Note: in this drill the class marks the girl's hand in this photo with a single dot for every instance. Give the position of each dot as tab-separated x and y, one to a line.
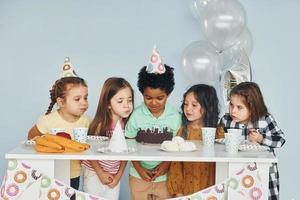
106	178
255	136
114	182
160	170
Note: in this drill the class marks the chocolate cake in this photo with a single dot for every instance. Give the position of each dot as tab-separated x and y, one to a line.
154	136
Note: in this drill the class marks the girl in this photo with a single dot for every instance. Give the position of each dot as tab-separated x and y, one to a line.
70	94
200	108
248	111
102	177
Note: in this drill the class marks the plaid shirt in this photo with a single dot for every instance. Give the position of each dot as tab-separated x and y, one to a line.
273	137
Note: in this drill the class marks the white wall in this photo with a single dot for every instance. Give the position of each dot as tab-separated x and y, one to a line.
115	38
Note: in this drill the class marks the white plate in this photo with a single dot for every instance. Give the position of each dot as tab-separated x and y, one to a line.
107	150
28	142
220	141
167	150
253	147
97	138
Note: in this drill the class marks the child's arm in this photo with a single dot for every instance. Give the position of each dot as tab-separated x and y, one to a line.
161	169
272	135
33	132
104	177
118	176
144	173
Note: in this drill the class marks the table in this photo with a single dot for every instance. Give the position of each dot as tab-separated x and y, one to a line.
57	165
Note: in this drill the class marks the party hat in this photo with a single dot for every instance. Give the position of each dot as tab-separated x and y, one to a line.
68	70
117	142
155	64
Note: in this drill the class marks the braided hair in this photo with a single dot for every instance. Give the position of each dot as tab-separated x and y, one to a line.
60	88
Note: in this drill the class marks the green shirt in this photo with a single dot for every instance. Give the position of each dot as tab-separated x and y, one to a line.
143	119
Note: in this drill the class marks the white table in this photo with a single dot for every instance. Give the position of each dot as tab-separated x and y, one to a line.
57	165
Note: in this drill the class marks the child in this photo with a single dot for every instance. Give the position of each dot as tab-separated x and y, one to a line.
152	122
102	177
248	111
200	109
70	94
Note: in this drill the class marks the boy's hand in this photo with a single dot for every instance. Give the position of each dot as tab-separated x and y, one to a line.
255	136
160	170
145	174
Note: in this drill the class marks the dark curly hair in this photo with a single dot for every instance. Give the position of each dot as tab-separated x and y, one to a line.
163	81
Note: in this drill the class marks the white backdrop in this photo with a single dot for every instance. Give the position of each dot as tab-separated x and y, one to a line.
115	38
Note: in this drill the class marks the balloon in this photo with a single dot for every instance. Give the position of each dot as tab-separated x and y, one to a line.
239	71
197	8
200	63
223	22
244	42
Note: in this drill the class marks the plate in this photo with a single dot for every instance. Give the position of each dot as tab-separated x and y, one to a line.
167	150
97	138
253	147
28	142
107	150
220	141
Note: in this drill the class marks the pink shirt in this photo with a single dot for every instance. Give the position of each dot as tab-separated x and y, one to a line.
110	166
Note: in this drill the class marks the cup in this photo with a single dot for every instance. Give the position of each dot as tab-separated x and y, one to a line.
208	136
57	130
80	134
237	132
233	140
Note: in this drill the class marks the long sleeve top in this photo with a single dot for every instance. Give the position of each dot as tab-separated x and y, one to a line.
189	177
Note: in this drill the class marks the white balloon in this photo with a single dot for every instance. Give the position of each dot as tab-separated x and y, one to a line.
244	43
200	63
197	8
223	22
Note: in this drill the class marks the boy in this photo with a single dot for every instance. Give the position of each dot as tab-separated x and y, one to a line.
152	122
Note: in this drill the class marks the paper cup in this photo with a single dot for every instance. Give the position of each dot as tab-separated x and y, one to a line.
57	130
80	134
233	140
208	136
237	132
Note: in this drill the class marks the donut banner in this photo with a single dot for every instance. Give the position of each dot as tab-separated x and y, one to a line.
245	184
21	181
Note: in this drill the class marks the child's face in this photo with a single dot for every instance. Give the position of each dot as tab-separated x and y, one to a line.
238	110
75	102
121	104
192	108
155	100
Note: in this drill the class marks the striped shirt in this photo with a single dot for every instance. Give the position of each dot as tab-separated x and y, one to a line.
110	166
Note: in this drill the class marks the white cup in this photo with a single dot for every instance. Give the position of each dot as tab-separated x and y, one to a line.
57	130
208	136
233	140
237	132
80	134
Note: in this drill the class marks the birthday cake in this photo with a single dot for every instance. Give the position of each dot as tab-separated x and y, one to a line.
153	136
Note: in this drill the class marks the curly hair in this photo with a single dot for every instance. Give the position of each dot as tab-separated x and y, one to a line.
163	81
